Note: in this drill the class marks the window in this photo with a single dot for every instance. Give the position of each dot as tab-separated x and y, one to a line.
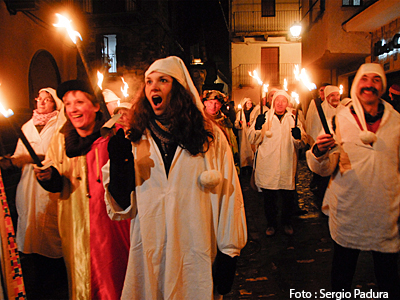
351	2
268	8
109	52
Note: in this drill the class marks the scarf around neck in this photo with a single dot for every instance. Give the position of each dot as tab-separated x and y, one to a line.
42	119
162	133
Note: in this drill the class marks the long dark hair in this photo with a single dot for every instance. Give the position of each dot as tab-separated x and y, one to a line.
189	129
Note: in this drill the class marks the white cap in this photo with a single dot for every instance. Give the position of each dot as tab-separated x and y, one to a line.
126	105
329	89
175	67
110	96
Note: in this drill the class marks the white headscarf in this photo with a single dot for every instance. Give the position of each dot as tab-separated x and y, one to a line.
330	89
53	93
175	67
271	112
59	105
366	136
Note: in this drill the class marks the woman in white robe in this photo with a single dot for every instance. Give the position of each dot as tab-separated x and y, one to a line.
37	230
188	221
242	124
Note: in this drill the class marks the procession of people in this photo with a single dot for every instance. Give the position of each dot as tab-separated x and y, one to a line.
153	208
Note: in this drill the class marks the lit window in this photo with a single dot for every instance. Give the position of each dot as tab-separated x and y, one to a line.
352	2
109	52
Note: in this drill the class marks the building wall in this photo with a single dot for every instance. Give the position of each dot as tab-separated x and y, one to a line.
249	52
391	60
328	49
21	37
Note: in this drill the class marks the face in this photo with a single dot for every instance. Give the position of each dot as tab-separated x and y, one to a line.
81	111
334	99
280	104
248	105
158	91
322	93
125	117
45	103
369	89
212	106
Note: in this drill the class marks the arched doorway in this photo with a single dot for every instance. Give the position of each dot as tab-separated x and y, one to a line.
43	72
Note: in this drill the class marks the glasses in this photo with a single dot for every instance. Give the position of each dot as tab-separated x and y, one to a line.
45	100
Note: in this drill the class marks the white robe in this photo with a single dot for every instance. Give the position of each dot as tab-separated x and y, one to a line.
313	123
363	196
177	224
37	230
277	155
245	150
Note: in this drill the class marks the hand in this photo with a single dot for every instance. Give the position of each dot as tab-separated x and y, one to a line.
259	122
122	170
43	175
119	148
324	143
21	160
224	272
296	133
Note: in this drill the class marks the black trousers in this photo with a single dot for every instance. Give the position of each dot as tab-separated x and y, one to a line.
385	266
271	198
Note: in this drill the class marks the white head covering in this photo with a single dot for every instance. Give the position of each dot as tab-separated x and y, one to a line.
366	136
59	105
330	89
244	101
53	93
110	96
126	105
175	67
271	112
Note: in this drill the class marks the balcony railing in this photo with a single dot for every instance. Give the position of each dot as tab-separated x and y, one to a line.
272	74
251	21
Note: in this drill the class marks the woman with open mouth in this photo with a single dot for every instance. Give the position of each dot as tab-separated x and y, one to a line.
175	179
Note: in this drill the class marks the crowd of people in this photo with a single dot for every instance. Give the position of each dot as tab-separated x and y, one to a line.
152	207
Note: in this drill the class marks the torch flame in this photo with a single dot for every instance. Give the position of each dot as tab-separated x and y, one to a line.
265	86
100	78
125	89
64	22
295	96
285	84
303	77
4	112
255	76
341	89
239	106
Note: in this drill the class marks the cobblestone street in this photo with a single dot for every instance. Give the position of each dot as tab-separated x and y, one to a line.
269	267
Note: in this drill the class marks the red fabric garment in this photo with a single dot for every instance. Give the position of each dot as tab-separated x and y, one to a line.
371	127
109	240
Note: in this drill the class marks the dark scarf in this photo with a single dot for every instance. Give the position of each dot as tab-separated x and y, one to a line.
370	119
163	137
76	145
247	113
